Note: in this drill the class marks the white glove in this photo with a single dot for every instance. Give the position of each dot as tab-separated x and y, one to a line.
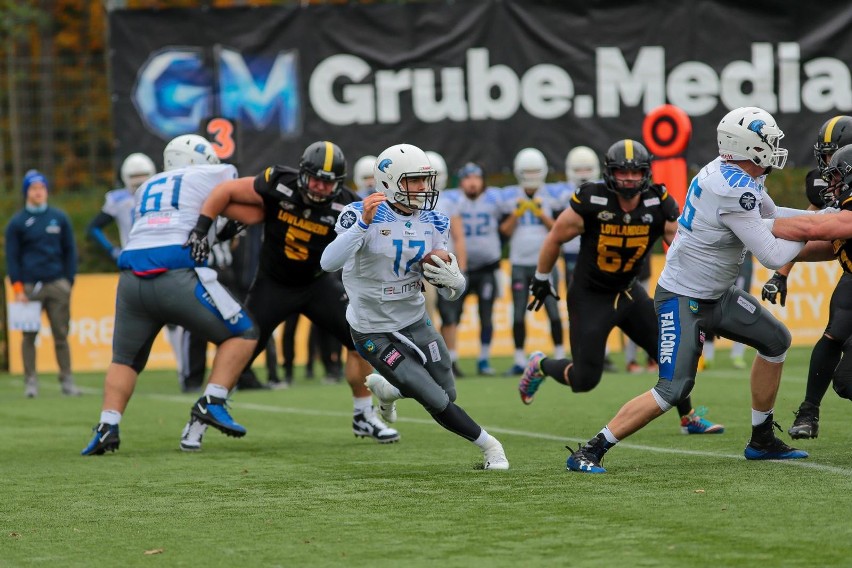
447	275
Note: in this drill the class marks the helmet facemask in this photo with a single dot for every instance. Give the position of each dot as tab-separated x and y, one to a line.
423	199
627	155
838	175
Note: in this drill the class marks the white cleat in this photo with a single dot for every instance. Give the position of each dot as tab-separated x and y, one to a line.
193	432
494	456
367	425
386	393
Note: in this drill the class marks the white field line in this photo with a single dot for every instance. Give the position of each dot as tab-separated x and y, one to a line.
184	399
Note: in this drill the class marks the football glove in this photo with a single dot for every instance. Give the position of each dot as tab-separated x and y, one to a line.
774	287
444	274
540	290
197	242
230	230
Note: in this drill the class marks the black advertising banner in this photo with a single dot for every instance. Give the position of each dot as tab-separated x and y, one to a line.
473	80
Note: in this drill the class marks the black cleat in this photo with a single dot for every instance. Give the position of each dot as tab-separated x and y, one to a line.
806	424
105	440
764	445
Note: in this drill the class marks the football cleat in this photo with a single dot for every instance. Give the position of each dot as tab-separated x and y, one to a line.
484	368
764	445
213	411
806	424
193	432
456	371
31	387
368	425
634	368
695	423
494	457
386	393
588	457
738	363
532	377
105	440
515	370
69	388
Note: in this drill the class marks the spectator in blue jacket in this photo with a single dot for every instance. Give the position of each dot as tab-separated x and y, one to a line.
42	262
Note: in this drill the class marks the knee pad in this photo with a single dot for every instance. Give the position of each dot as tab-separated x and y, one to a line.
675	390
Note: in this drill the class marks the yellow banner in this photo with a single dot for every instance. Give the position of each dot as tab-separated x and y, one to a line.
93	305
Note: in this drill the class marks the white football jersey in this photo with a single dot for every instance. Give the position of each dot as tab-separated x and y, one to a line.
560	193
383	278
166	210
704	258
530	231
119	205
481	217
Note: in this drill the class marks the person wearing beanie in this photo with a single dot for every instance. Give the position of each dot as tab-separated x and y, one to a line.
41	258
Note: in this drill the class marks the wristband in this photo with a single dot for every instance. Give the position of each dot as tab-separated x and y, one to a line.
542	275
779	275
202	226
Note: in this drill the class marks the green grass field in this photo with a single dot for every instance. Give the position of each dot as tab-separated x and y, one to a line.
300	490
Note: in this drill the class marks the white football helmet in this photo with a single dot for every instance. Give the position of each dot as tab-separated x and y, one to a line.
396	167
363	173
751	133
135	169
188	150
582	165
530	168
440	166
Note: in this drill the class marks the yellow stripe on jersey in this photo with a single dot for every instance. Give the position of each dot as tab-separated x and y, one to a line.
575	198
830	128
628	149
266	174
329	157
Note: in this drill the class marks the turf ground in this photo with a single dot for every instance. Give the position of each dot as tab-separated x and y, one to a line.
300	490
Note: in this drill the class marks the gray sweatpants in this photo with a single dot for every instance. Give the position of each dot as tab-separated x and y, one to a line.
55	298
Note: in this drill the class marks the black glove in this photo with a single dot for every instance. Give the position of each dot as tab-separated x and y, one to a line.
777	285
230	230
197	241
540	290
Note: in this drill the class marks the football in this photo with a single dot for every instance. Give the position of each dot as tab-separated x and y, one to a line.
440	253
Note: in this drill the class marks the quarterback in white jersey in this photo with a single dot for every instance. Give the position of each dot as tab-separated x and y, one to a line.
161	284
696	295
380	243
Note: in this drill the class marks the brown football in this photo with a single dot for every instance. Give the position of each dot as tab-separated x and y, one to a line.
440	253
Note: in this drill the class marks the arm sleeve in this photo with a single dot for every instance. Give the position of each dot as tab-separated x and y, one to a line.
13	250
96	233
757	237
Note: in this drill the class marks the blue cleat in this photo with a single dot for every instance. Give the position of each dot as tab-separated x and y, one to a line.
587	458
484	369
695	423
532	378
105	440
764	445
515	370
213	411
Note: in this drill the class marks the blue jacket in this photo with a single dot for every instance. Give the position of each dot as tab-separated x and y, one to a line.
40	247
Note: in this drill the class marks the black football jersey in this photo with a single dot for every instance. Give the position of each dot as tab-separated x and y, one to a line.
294	233
614	243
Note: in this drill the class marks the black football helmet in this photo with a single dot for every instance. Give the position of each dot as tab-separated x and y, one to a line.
838	175
833	135
627	155
323	160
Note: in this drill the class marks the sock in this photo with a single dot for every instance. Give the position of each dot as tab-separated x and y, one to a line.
112	417
559	352
454	355
485	352
217	391
555	368
362	404
737	350
758	417
709	350
456	420
520	357
824	359
483	440
609	435
684	407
